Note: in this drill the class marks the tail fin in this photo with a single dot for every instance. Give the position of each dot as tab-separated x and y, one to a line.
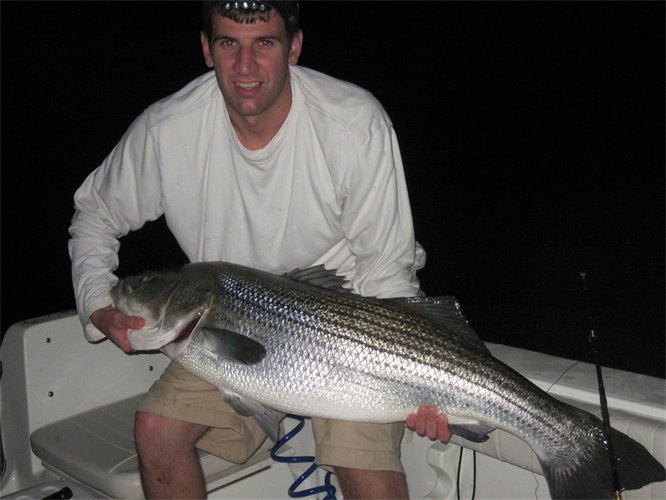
589	476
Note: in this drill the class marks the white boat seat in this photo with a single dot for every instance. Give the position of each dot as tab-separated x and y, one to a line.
96	448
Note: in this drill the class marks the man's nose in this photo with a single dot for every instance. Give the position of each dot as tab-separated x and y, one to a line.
245	61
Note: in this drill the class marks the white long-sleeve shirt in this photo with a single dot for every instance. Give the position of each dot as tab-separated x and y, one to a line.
328	189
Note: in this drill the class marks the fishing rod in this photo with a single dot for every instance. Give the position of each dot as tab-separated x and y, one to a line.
594	341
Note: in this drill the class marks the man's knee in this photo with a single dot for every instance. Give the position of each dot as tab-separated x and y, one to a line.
363	483
146	428
152	431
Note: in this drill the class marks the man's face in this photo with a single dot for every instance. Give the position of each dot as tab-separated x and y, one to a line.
251	63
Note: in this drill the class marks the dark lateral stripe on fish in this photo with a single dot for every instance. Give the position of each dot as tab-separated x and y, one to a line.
340	321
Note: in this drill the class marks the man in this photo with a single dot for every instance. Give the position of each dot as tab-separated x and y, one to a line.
267	164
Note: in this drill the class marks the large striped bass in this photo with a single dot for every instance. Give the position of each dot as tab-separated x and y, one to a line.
300	344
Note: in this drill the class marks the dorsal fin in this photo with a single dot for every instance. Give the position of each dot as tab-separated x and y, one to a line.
319	276
445	311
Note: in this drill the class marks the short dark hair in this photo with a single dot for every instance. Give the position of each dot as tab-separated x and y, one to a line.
249	11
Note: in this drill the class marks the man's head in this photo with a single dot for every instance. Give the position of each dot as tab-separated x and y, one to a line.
250	12
251	45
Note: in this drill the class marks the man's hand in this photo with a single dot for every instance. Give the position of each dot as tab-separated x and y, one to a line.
427	421
114	324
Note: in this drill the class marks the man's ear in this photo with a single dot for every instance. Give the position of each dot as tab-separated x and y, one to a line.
205	47
295	49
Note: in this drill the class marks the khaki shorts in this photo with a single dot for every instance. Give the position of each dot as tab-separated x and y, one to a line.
183	396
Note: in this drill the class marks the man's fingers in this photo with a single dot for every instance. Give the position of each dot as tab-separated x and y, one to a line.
427	410
410	422
125	345
443	432
119	325
431	428
135	322
427	421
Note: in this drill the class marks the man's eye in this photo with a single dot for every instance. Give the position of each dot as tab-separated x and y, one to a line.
226	43
265	43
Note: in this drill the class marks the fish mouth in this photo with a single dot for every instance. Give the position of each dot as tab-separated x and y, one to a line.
154	337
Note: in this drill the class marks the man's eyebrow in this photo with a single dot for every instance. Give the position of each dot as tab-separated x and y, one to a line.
222	36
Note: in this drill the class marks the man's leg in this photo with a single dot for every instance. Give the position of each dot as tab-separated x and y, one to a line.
178	411
359	483
168	460
365	457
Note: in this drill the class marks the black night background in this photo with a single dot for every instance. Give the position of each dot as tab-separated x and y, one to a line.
532	135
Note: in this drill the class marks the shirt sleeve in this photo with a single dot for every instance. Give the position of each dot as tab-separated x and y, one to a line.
377	219
118	197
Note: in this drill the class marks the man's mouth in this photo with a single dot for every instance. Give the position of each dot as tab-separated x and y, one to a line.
248	85
247	88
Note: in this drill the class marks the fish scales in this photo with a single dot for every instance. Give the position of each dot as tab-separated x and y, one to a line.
346	320
338	355
372	333
365	326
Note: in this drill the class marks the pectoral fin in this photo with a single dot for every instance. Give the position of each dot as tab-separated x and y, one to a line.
233	346
264	417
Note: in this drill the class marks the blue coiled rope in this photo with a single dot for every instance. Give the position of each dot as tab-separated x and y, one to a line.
327	487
